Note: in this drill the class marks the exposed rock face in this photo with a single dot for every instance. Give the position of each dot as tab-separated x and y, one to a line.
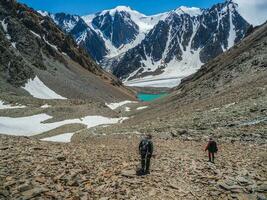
226	98
173	44
84	35
181	38
118	27
31	44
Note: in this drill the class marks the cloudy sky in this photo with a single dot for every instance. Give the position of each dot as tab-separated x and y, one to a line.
254	11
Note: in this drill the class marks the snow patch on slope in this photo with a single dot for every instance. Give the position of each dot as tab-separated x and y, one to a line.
4	25
65	138
43	13
154	82
51	45
35	34
39	90
114	106
46	106
141	108
82	37
232	33
33	125
8	106
174	71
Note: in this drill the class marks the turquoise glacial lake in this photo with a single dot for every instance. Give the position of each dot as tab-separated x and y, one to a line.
149	97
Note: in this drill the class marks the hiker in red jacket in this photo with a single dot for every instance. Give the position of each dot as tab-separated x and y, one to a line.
212	148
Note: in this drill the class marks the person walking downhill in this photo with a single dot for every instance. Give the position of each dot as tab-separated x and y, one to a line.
146	151
212	148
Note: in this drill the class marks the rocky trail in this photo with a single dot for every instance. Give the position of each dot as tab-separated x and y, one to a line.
103	167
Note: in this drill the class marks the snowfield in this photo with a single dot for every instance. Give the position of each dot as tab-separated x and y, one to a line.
146	82
127	109
7	106
39	90
174	71
33	125
192	11
66	137
114	106
46	106
142	108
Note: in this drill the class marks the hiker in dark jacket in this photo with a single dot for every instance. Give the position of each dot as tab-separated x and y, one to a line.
212	148
146	151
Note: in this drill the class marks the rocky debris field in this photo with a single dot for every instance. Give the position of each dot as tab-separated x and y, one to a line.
103	167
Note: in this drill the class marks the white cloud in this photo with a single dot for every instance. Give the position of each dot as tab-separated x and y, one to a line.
254	11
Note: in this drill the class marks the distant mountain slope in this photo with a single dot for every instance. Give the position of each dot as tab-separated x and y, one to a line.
108	33
242	68
32	45
139	48
179	45
225	99
236	77
84	35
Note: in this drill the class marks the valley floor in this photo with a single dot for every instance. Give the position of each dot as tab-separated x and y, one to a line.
103	167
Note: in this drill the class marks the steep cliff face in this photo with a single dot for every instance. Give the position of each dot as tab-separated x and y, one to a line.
225	98
117	26
184	41
113	31
32	45
84	35
169	45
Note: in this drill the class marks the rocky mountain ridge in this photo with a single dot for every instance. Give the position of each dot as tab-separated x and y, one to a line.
32	45
225	99
167	45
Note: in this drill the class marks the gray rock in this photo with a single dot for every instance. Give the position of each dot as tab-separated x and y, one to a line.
243	181
128	173
229	187
174	133
61	158
262	188
24	187
3	192
261	197
33	192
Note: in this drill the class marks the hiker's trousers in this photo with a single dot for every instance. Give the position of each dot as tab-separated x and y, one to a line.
211	156
145	163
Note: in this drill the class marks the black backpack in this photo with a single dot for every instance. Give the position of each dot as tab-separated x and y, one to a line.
213	147
144	146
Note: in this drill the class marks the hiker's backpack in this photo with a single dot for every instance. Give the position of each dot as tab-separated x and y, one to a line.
213	147
144	146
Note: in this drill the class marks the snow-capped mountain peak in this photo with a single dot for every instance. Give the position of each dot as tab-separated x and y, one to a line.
121	28
135	46
43	13
119	9
192	11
